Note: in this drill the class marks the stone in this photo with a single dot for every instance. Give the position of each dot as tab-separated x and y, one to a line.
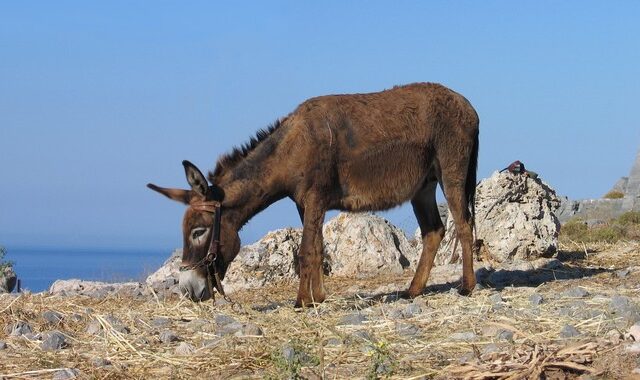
634	332
222	319
52	317
569	331
248	330
3	345
619	304
185	349
100	362
536	299
66	374
623	273
496	298
229	329
211	343
515	220
19	328
95	327
352	319
505	335
575	292
633	348
168	336
53	341
160	322
333	342
411	310
8	279
363	335
463	336
407	329
490	349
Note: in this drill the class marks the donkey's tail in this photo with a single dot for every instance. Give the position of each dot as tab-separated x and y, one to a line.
470	185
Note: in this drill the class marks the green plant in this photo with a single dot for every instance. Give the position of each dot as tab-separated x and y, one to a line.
3	263
629	217
290	360
381	364
614	194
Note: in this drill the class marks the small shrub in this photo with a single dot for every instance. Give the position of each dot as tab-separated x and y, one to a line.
614	194
3	263
629	217
574	230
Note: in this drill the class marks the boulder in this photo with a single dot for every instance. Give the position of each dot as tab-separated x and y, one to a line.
8	279
164	281
365	245
272	258
515	220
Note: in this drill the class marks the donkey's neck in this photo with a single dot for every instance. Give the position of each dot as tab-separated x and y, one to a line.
251	184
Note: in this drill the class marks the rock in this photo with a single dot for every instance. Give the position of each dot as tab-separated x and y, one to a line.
100	362
3	345
296	356
94	289
634	332
52	317
160	322
95	327
363	335
229	329
490	349
633	348
613	336
536	299
364	244
165	279
248	330
333	342
168	336
463	336
53	341
65	374
8	279
19	328
515	220
352	319
407	329
623	273
185	349
575	292
619	304
496	298
201	325
222	319
569	331
411	310
211	343
505	335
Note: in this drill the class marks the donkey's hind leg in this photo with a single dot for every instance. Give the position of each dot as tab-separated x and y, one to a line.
311	288
454	191
426	210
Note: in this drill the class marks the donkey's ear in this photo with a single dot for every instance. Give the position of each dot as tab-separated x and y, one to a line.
195	178
182	196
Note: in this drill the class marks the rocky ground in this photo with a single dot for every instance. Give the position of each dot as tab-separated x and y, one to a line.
574	316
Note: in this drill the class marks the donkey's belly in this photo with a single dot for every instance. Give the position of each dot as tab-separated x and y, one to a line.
382	181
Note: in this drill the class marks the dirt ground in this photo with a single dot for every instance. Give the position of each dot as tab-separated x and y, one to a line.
574	324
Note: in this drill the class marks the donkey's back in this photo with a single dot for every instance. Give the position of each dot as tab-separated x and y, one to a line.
375	151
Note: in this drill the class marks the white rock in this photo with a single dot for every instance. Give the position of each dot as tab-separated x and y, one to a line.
515	219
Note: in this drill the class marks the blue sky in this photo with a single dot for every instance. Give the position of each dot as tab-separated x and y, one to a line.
99	98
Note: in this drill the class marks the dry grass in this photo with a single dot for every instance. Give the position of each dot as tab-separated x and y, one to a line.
373	349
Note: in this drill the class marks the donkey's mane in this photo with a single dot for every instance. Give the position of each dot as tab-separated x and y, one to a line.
231	159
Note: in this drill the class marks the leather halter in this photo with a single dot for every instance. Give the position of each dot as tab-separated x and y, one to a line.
209	261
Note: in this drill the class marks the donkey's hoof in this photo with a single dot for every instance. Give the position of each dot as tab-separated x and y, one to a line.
411	293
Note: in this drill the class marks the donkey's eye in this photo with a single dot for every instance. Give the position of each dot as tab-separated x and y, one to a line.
198	232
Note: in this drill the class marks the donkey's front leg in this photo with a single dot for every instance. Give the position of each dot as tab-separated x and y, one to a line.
311	288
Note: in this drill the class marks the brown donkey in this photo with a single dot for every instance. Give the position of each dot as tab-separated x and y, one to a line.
359	152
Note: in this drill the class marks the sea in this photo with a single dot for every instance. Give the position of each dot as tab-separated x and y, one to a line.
38	268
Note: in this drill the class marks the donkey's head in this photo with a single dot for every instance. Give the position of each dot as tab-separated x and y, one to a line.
210	243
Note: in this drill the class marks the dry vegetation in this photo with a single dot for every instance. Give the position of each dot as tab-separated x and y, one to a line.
624	227
496	333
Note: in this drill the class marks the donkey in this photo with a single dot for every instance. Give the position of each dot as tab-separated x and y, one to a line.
356	152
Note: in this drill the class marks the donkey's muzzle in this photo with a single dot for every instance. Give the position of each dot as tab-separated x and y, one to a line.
194	286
